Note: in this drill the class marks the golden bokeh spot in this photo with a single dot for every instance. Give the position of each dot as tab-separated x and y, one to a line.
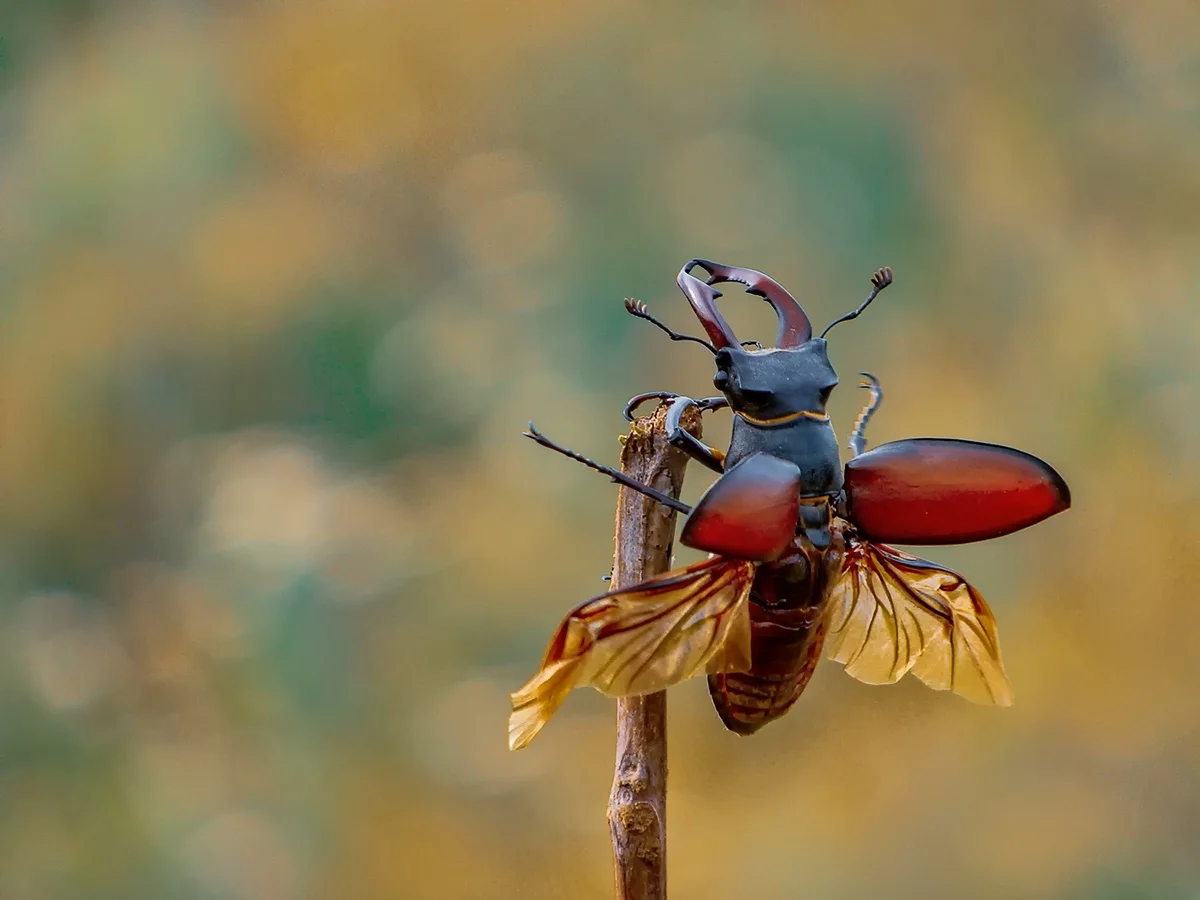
502	213
255	253
514	230
332	85
726	190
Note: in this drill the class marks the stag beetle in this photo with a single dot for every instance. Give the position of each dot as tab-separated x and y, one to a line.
799	545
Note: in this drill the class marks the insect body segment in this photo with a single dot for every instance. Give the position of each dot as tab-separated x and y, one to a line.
798	565
749	513
942	491
787	631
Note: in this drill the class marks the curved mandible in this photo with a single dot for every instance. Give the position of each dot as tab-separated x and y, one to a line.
703	299
794	327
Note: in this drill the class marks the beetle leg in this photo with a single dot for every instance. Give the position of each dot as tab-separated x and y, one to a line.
676	436
693	447
705	405
638	308
858	438
618	477
635	402
711	403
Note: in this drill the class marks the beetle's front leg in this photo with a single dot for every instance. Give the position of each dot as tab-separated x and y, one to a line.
638	399
676	436
693	447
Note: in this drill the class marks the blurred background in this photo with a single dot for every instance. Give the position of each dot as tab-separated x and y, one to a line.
281	284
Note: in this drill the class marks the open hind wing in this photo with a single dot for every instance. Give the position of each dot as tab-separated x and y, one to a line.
642	639
892	613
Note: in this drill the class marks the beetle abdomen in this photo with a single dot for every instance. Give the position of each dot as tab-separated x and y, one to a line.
785	647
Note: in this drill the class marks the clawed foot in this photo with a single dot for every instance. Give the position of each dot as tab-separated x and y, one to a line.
708	403
635	402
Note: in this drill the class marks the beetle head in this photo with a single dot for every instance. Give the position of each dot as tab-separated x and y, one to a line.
775	383
793	376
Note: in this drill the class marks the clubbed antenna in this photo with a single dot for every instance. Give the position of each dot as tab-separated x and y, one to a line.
879	281
638	308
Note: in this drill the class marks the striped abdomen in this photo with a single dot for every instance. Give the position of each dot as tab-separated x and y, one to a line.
787	616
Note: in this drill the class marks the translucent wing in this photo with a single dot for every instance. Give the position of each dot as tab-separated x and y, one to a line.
643	639
891	613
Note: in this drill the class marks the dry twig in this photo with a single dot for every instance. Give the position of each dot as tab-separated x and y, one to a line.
637	807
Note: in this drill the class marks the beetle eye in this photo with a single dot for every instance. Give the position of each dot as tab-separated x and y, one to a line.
721	381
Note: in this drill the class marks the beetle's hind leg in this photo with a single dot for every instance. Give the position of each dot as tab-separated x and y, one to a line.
858	437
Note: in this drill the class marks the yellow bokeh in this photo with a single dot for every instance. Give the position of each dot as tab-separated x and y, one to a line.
284	281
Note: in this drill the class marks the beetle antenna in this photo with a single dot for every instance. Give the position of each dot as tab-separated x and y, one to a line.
881	279
638	308
618	477
858	438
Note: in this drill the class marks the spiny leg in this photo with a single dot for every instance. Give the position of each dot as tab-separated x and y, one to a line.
858	437
618	477
638	308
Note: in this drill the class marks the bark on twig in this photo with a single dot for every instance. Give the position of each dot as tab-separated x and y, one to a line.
637	807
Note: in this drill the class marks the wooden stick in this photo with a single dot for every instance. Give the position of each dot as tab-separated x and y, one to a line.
637	807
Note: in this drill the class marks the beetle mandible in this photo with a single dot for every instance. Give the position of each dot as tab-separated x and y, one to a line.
799	545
